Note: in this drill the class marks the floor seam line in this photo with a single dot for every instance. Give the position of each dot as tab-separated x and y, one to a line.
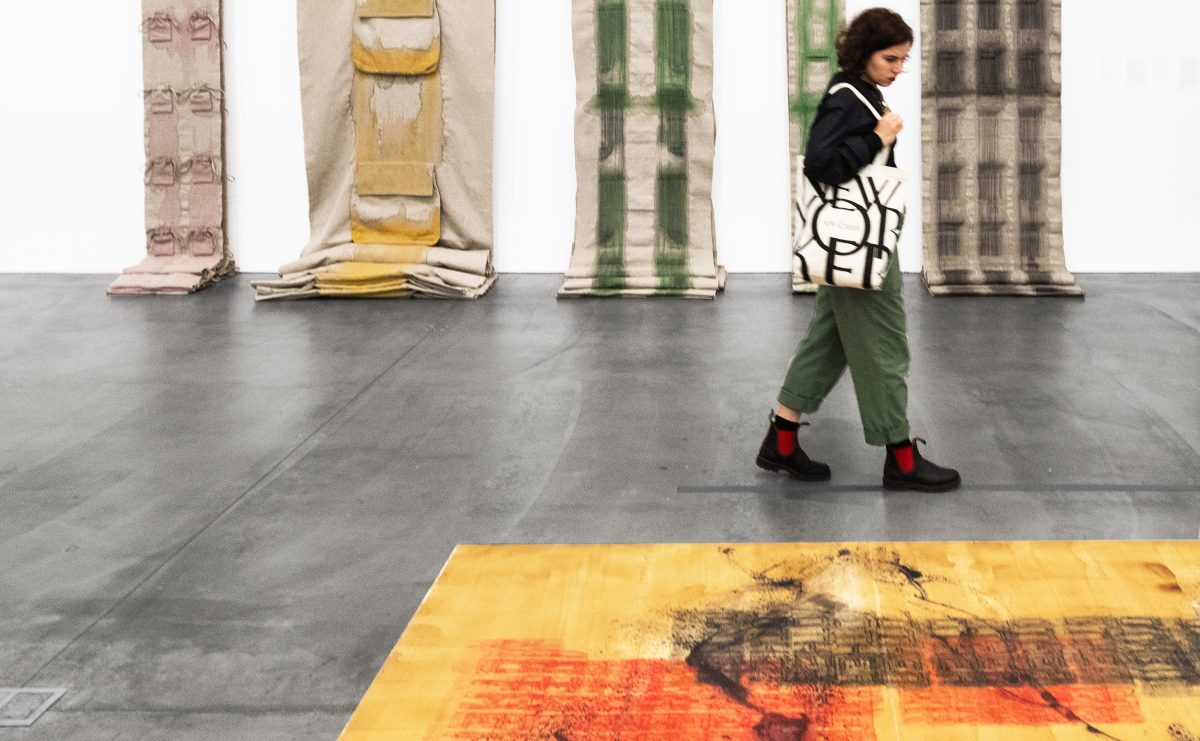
251	711
260	483
1182	322
1024	489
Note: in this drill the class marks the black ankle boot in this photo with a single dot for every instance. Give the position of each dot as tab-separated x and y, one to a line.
797	465
925	476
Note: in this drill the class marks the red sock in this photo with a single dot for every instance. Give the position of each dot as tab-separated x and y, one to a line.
785	441
903	455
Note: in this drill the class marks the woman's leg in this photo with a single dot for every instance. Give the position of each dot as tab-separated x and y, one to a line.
817	365
874	338
814	370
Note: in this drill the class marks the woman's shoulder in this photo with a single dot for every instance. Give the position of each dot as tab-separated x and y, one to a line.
839	96
842	79
839	78
836	94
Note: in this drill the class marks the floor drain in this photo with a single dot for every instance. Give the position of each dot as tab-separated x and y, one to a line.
22	707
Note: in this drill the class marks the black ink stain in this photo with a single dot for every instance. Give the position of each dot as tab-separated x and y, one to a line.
739	630
913	576
710	674
1179	733
910	573
762	578
716	641
794	584
776	727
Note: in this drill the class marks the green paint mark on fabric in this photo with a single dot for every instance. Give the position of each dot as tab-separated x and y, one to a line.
610	232
612	56
673	97
612	101
612	42
670	258
673	47
673	55
672	132
672	200
817	24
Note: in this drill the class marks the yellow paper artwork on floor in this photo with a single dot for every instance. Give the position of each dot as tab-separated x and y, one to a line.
796	642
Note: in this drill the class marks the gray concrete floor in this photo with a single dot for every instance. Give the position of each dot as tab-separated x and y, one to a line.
217	517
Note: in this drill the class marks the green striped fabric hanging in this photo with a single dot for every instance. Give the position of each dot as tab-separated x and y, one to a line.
812	28
645	136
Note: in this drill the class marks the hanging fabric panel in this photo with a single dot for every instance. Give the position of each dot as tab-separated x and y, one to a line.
992	135
812	29
645	139
398	100
186	247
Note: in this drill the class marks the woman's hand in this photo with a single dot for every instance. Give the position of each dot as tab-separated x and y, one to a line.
889	128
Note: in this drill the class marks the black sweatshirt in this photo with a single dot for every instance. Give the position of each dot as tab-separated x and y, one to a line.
843	138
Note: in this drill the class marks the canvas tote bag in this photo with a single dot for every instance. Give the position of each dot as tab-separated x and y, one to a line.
846	235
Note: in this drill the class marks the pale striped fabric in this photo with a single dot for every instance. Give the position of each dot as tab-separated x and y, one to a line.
398	100
186	248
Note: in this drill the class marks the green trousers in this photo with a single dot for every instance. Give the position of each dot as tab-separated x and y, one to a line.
866	331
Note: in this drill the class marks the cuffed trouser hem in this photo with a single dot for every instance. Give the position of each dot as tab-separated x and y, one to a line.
800	404
896	434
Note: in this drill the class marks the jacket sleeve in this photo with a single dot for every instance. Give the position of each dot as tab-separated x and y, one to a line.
834	154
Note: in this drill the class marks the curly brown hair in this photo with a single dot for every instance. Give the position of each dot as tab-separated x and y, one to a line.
870	31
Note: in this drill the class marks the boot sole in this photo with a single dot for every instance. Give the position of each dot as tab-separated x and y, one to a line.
773	468
909	486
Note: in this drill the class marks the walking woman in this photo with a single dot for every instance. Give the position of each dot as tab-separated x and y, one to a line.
860	329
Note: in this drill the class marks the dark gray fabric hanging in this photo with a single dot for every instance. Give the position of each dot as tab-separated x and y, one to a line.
992	139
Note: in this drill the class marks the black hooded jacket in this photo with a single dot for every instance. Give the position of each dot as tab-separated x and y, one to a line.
843	138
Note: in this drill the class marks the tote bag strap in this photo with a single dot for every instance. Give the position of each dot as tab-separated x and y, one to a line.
882	157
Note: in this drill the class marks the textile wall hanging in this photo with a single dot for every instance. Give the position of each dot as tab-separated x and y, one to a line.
645	138
186	248
992	135
1050	641
812	29
398	100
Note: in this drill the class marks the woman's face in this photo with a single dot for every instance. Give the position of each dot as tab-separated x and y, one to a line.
885	65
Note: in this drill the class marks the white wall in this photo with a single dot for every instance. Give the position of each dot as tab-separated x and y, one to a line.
71	190
1131	135
71	152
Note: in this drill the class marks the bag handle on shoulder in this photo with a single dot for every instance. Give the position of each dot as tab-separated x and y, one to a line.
863	98
882	157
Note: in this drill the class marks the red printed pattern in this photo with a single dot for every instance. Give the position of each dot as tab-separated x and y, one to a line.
1020	706
534	691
